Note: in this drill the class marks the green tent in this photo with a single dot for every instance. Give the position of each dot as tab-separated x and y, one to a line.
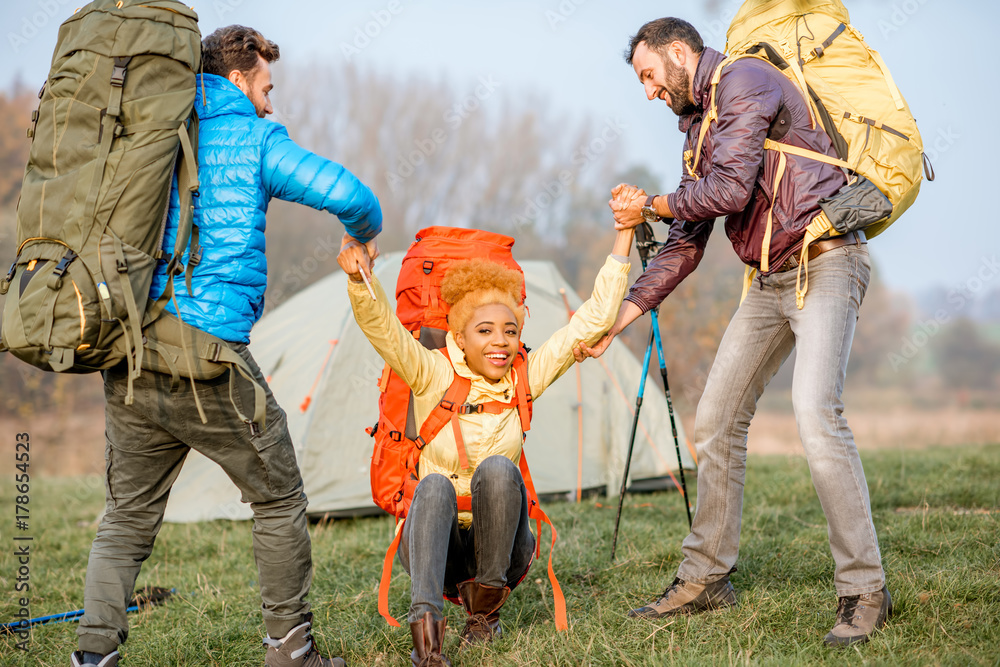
323	372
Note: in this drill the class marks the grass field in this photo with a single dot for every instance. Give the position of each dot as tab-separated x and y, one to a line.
937	512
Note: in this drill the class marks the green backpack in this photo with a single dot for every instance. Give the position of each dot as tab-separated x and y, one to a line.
115	125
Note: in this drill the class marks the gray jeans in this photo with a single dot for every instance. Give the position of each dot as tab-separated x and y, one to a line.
759	338
496	549
147	443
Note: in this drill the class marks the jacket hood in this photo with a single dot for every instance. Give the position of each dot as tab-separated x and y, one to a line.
221	98
701	86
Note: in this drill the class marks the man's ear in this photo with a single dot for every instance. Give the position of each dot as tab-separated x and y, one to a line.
237	79
677	53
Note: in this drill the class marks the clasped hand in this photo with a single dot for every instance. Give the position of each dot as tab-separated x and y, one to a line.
356	257
626	203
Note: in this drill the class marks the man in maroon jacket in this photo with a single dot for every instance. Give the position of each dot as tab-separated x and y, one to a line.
735	178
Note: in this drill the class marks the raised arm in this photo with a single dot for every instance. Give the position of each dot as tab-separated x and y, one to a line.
292	173
418	367
591	320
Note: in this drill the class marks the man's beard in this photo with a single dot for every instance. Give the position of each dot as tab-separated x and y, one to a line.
259	105
678	88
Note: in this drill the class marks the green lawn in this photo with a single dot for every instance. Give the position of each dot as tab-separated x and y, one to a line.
937	513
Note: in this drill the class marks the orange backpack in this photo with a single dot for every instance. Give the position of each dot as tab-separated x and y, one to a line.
398	439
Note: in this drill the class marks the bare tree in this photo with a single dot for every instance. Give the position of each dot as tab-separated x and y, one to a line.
438	154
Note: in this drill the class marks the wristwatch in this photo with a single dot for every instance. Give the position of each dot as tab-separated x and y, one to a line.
649	214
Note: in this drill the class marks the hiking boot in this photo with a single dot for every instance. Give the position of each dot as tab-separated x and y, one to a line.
482	603
858	616
81	659
683	597
428	636
296	650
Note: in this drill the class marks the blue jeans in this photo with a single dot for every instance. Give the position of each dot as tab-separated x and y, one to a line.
759	338
496	549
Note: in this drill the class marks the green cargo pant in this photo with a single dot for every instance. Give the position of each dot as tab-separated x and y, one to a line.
146	446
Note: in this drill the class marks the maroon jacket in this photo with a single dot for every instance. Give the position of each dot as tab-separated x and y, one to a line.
755	101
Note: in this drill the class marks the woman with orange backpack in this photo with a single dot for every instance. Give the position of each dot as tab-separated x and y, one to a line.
474	556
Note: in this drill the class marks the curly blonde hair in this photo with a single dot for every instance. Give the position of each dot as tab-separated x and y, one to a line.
472	283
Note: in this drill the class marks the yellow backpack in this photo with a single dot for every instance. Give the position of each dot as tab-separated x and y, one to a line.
849	92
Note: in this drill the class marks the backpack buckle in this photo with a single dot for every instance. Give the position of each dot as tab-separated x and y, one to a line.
395	436
447	405
419	442
55	280
63	264
470	408
254	429
8	279
121	265
428	266
118	73
174	267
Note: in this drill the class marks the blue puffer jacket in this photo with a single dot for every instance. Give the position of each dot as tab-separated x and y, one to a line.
244	161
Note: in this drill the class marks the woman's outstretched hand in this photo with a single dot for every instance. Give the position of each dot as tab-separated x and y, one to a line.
356	257
626	203
582	352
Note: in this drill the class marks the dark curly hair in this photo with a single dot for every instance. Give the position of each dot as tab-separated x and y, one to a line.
236	47
661	33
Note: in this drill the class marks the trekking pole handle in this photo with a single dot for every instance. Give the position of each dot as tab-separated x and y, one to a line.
646	243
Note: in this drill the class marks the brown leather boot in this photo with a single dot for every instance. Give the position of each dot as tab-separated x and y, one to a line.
428	636
482	603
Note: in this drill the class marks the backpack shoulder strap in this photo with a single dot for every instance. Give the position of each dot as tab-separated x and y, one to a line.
447	410
522	389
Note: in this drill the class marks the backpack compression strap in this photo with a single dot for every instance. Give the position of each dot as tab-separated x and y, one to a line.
535	512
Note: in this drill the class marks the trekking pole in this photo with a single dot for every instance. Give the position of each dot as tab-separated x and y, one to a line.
670	411
147	597
645	244
631	439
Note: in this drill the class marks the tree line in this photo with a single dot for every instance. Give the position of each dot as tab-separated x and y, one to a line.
480	155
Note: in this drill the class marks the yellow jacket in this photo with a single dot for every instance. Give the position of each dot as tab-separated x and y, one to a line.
429	374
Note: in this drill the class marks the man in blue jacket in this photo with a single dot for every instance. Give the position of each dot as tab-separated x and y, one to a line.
243	161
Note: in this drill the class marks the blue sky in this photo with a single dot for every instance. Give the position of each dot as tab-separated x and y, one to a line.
570	50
